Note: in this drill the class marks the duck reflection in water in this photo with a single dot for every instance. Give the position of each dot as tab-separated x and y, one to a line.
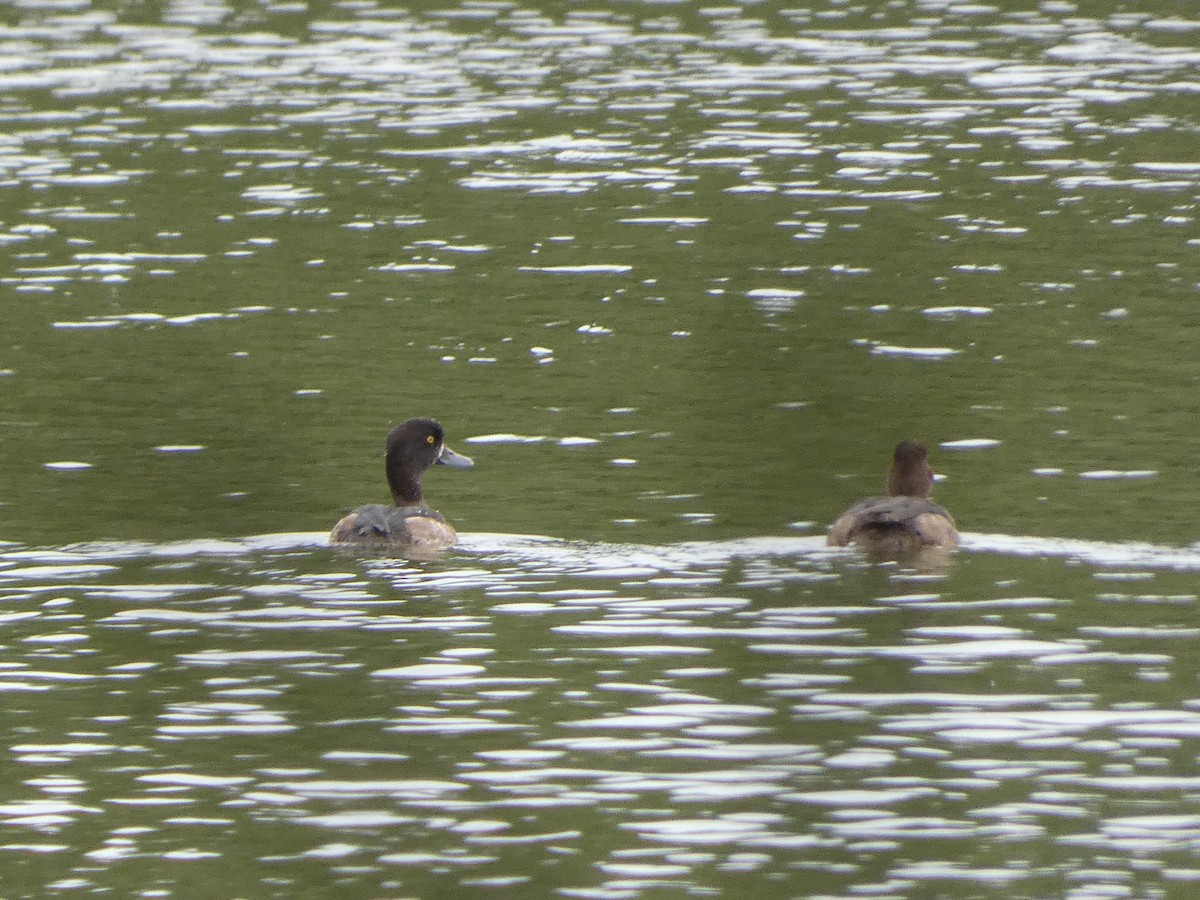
903	522
408	527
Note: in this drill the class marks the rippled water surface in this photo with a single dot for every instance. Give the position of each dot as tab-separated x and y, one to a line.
677	277
268	717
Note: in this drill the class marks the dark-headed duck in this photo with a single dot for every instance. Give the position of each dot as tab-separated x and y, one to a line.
412	447
904	521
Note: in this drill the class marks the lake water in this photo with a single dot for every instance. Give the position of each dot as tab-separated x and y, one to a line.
677	277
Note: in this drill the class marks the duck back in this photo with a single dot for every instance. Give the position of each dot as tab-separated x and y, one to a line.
894	525
391	526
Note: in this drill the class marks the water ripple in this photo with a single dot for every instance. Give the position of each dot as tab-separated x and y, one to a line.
529	715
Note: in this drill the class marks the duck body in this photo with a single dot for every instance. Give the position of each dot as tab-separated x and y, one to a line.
409	525
894	525
904	520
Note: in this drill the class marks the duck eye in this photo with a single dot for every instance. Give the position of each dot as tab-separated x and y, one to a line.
431	439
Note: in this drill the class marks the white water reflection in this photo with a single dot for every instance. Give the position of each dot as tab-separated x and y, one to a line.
581	558
420	75
432	718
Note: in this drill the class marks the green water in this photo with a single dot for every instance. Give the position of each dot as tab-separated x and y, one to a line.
677	277
688	193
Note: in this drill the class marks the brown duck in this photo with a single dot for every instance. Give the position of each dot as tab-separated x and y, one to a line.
906	519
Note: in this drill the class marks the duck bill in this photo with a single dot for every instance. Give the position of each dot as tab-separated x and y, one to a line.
454	460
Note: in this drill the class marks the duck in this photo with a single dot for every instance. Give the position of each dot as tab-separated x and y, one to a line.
903	521
412	447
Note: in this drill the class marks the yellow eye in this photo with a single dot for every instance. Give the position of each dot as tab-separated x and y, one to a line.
431	440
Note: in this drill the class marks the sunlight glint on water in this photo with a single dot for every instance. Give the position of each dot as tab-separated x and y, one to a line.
714	735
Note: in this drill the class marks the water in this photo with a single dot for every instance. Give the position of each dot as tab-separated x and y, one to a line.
677	277
269	717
